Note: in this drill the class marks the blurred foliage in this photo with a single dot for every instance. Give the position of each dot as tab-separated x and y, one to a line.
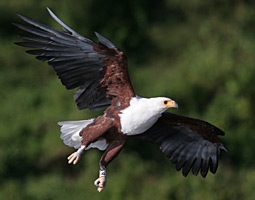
200	53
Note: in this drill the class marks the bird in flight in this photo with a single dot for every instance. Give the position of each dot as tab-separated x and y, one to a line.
100	72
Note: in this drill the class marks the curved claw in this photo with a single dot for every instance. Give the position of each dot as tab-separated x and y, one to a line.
75	157
100	183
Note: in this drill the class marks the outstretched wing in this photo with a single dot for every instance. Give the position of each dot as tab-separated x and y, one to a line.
190	144
99	69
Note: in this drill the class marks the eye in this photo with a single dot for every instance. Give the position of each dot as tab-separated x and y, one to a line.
165	102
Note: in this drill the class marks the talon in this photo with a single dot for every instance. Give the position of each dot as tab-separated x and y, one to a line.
100	183
75	157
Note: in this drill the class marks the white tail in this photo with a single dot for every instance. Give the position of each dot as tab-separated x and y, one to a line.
70	134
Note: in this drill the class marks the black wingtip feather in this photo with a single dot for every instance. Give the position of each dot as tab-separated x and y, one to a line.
103	40
222	148
188	166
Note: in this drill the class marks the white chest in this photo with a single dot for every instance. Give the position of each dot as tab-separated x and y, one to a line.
137	118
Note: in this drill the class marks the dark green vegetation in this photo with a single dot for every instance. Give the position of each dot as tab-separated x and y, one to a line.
200	53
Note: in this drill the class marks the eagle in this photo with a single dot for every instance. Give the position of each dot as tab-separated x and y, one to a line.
100	72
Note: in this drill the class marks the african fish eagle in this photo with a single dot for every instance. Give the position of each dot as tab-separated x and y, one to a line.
100	71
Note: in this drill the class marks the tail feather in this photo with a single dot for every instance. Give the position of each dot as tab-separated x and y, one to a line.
70	134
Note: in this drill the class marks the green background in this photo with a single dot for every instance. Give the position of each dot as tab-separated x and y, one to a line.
199	53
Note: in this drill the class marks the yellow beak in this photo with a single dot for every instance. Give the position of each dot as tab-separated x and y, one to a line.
171	104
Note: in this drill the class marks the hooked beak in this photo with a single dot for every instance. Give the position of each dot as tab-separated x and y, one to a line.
171	104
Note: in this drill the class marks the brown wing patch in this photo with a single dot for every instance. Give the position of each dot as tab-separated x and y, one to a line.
116	81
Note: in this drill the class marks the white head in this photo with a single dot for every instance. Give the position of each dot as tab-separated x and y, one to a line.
161	104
